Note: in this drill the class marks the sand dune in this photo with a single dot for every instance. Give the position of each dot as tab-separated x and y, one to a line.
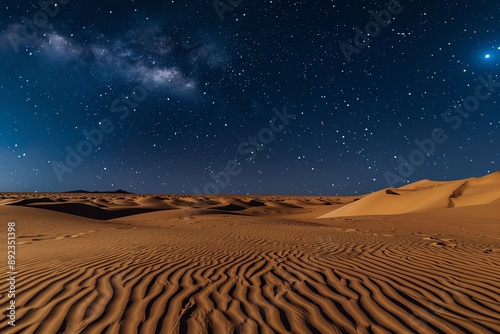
426	195
112	206
89	263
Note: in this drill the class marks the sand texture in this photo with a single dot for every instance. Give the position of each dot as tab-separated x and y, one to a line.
424	258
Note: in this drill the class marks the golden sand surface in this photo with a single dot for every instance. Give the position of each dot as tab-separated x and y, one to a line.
424	258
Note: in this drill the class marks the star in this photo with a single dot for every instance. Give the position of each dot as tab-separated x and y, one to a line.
176	93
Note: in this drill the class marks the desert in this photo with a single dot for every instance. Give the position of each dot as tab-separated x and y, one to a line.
249	167
422	258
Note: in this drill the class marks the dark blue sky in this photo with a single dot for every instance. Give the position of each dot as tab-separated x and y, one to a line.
169	94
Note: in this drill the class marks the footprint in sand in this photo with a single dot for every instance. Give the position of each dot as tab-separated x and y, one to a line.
445	244
442	242
64	237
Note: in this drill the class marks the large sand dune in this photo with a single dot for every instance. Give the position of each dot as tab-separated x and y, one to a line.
113	263
426	195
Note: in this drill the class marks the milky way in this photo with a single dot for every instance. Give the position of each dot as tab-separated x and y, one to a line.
158	97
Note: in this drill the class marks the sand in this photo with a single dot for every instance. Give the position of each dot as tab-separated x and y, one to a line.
423	260
426	195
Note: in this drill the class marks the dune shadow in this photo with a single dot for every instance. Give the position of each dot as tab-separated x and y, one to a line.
89	211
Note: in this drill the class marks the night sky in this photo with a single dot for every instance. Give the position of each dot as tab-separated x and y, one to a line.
169	92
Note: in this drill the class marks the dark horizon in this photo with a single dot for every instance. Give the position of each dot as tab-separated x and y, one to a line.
126	192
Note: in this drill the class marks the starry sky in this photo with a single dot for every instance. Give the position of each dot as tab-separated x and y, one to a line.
162	96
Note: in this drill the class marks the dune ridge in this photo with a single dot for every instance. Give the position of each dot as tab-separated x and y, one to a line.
426	195
111	206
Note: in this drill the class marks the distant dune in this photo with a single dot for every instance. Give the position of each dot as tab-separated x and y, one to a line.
427	195
119	191
105	206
